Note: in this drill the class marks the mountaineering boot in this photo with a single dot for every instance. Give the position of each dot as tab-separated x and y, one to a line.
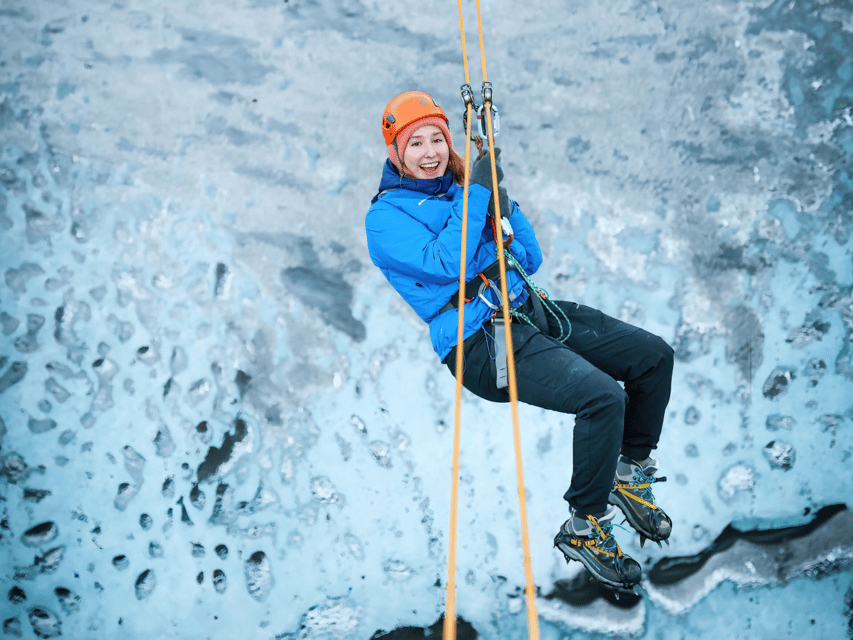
632	493
590	540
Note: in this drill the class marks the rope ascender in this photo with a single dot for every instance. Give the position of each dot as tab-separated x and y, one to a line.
486	114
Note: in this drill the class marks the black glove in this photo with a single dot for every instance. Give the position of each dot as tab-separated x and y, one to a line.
481	170
506	204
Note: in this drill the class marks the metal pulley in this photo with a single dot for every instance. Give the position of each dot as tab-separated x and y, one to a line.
481	130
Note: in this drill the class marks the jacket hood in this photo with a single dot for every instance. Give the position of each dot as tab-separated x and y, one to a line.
393	179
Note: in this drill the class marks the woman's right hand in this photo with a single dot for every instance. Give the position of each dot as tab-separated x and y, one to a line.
481	170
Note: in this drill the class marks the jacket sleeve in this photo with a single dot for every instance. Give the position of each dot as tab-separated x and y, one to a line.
399	242
523	233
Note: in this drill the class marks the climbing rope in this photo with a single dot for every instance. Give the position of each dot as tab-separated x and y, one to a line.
548	304
450	600
530	589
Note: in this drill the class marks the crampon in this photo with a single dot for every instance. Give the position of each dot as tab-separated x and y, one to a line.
596	548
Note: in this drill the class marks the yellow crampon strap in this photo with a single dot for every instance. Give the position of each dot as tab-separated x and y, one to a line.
622	488
530	588
592	543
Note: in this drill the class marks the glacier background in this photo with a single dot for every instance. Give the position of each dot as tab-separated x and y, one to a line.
218	420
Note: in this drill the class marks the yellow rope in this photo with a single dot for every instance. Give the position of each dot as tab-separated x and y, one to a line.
450	602
530	588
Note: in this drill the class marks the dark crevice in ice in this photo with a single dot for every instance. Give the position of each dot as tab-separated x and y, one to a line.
258	572
145	583
672	570
217	456
243	381
328	292
185	517
583	590
318	281
35	495
16	595
13	375
784	548
40	534
218	514
47	563
464	631
45	623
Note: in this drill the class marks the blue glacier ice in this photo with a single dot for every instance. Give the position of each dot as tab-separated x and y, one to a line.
217	420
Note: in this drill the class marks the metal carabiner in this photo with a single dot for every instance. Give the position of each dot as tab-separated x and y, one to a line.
490	284
468	95
487	92
468	98
481	113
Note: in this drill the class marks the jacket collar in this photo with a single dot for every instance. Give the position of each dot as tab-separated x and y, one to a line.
392	179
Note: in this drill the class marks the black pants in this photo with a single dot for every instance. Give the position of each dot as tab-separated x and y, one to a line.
579	376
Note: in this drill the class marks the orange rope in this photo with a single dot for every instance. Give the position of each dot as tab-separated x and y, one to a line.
450	602
530	588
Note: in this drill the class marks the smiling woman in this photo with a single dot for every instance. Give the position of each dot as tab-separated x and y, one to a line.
569	358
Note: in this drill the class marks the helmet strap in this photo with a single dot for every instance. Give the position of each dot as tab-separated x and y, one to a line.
403	170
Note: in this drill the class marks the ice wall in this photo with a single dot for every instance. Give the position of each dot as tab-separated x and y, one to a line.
216	418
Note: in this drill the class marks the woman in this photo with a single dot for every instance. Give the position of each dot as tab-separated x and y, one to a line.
568	357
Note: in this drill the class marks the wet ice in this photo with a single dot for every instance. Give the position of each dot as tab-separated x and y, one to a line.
190	304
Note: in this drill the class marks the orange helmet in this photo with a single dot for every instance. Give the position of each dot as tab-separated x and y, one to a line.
407	108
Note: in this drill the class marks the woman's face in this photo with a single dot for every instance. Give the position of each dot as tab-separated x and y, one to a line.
426	153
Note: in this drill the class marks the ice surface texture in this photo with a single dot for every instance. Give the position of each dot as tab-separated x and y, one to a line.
216	417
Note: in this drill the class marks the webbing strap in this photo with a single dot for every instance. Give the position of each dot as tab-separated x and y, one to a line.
529	589
539	318
501	380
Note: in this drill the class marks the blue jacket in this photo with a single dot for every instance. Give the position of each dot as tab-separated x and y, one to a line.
414	236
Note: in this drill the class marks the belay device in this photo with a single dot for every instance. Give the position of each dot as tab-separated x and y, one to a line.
468	98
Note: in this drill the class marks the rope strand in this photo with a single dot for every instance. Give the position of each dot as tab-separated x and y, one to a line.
547	303
450	599
530	589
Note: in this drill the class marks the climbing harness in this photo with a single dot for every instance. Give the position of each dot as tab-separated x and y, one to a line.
476	288
486	118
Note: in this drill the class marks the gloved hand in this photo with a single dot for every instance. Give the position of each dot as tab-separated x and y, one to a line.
481	170
506	204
